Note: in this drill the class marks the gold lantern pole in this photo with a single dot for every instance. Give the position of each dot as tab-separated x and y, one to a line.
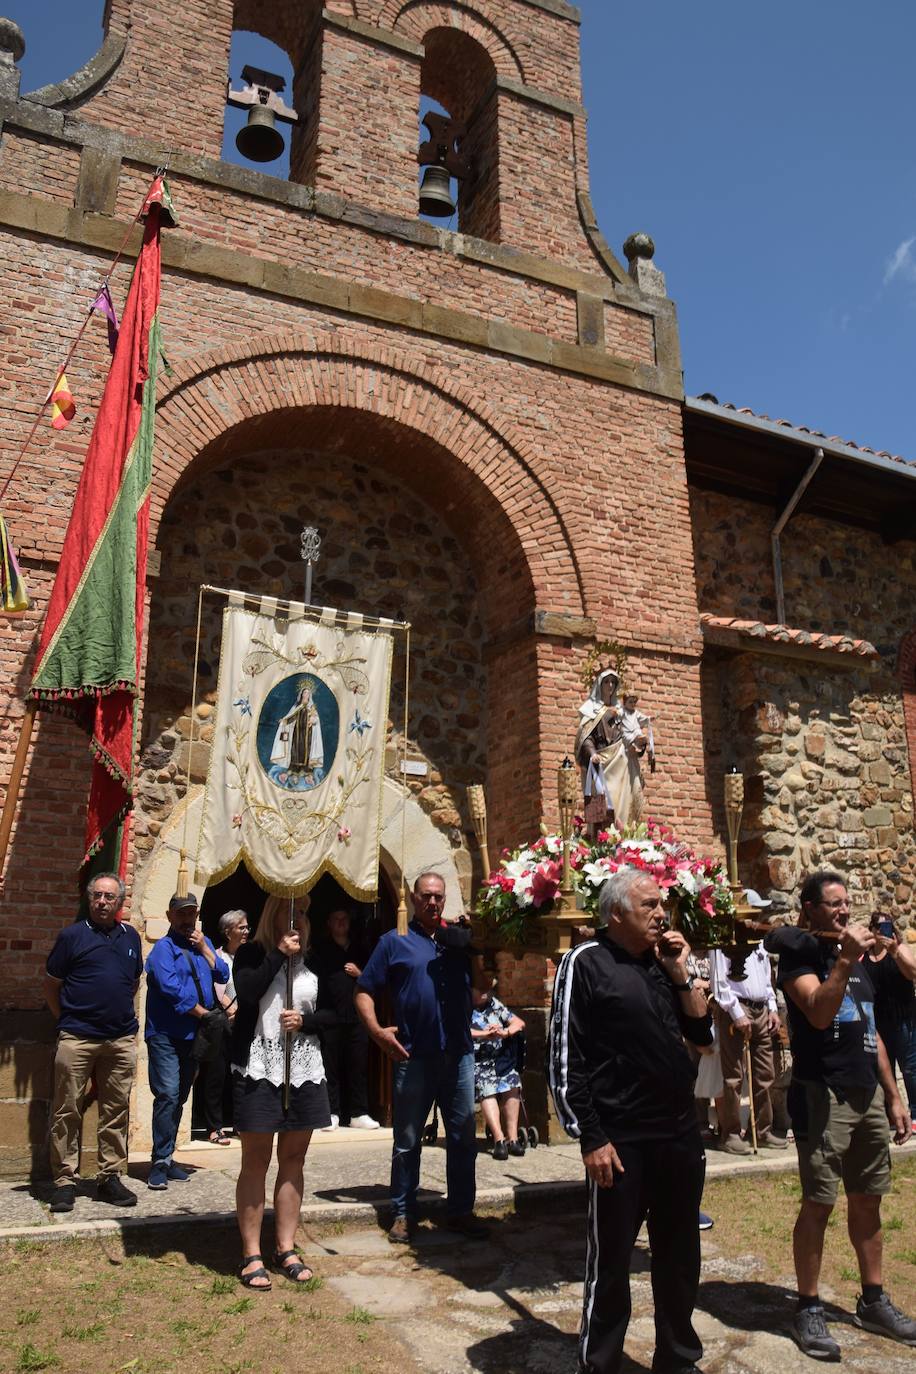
477	806
566	795
734	810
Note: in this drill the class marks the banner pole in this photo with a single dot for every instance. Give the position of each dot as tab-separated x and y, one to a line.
402	905
12	787
288	1046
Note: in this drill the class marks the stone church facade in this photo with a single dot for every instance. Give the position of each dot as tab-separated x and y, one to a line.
487	425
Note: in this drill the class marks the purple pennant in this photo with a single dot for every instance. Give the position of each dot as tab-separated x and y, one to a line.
104	303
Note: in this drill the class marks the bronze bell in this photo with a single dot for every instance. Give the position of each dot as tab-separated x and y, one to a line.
435	193
260	140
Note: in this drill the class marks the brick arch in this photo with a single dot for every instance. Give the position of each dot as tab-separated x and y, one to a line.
906	667
484	476
417	17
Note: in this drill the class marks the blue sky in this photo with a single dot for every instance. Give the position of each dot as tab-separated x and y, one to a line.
770	150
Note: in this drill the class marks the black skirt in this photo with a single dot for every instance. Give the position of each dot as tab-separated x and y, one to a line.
258	1106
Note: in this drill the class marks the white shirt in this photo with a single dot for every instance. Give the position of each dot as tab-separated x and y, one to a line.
266	1057
757	985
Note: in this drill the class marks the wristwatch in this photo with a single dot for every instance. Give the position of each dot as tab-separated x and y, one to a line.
688	986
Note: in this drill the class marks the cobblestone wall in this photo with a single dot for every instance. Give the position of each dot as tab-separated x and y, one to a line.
824	748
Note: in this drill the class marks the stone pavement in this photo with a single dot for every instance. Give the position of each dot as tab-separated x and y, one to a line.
346	1179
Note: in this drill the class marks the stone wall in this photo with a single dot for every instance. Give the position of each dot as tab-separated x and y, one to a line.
823	746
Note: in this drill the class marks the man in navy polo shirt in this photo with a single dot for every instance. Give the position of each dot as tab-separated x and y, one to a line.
428	974
91	981
180	973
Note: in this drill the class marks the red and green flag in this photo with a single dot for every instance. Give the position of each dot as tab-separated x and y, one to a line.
91	644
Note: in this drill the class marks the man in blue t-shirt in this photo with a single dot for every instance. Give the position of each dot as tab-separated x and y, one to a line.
91	980
842	1096
427	973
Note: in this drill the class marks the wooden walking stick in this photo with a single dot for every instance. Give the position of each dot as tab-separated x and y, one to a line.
288	1046
750	1094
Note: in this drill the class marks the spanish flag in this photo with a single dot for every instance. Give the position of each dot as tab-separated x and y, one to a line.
63	407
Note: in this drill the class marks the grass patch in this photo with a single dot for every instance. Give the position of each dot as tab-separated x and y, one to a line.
31	1358
236	1308
359	1316
221	1284
27	1316
84	1333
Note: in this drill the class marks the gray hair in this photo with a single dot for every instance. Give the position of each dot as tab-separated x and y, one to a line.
427	873
614	898
113	877
230	919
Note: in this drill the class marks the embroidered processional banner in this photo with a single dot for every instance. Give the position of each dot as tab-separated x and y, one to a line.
294	787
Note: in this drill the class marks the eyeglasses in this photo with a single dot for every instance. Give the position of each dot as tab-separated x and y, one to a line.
103	897
836	906
431	896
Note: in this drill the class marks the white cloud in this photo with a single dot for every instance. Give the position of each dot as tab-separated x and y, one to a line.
901	263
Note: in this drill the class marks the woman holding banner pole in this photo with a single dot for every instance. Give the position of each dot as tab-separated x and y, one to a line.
279	1086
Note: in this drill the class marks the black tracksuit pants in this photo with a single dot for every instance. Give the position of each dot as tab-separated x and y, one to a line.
662	1185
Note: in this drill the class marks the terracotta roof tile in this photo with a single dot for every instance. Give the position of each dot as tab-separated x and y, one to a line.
814	433
784	634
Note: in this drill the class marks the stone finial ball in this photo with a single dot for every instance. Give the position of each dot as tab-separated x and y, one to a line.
11	38
639	246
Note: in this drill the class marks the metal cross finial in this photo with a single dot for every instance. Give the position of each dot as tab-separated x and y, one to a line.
310	552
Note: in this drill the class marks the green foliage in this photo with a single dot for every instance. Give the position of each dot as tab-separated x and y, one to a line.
221	1284
359	1316
27	1316
84	1333
235	1308
30	1358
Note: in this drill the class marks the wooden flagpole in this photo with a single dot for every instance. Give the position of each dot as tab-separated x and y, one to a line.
15	782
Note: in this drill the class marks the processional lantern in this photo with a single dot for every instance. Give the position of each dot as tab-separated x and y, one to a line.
442	157
260	140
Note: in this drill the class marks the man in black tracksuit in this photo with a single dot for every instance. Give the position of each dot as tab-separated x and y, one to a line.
622	1083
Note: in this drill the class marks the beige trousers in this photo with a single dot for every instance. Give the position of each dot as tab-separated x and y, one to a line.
115	1064
731	1046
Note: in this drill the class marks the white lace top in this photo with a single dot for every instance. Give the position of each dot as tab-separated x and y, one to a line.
265	1059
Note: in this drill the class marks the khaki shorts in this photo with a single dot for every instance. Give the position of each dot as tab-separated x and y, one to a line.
848	1138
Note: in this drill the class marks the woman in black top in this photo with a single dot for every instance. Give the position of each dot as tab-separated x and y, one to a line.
339	961
257	1054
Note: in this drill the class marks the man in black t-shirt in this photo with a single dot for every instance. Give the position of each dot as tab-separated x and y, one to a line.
622	1084
842	1096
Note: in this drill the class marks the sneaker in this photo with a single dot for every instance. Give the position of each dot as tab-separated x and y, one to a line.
469	1226
772	1142
885	1319
63	1198
501	1150
175	1173
735	1145
517	1147
400	1231
809	1330
158	1178
335	1122
706	1222
112	1190
363	1123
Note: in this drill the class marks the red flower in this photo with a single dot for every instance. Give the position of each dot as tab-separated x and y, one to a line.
545	883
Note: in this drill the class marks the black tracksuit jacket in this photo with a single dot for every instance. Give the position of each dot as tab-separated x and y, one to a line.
617	1064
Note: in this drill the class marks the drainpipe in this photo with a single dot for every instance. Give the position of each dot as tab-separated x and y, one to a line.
780	526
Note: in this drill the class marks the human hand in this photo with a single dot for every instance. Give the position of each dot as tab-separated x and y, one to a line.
288	943
743	1027
290	1021
601	1163
672	952
387	1040
899	1118
774	1024
857	940
353	970
196	940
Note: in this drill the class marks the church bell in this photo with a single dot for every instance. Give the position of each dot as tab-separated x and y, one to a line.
260	140
435	193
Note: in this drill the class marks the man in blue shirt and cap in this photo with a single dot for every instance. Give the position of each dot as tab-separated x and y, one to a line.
91	980
180	973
